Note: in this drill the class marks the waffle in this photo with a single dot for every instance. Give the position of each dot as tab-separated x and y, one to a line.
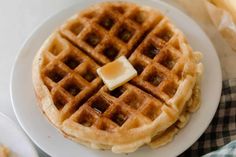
167	136
149	109
111	31
4	151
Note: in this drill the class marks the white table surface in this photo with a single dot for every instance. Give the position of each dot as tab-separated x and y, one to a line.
18	18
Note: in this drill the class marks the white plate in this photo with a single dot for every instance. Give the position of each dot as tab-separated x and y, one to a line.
52	142
13	138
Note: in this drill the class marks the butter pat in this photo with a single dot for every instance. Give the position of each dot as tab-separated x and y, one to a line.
117	73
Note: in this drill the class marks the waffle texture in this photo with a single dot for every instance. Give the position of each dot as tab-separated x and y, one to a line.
4	151
149	109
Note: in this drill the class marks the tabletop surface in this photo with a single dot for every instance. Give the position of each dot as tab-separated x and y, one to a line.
20	17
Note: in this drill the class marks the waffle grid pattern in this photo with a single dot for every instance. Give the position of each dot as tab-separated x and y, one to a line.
69	75
95	37
111	32
112	110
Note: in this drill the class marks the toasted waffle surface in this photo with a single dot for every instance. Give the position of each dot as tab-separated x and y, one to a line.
4	151
150	109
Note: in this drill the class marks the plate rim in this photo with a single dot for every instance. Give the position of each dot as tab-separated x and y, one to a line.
21	132
37	28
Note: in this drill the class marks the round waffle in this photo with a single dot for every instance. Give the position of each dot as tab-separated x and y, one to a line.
149	109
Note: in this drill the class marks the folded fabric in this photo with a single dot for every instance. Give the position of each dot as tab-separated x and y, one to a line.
222	129
229	150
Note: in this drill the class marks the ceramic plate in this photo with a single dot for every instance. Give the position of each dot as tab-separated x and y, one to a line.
13	138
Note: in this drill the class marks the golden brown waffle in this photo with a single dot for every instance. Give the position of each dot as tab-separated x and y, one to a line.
4	151
151	107
108	31
160	62
167	136
69	75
